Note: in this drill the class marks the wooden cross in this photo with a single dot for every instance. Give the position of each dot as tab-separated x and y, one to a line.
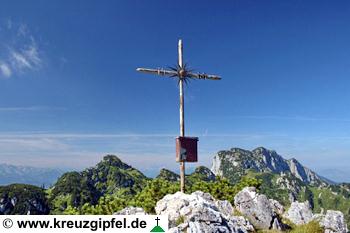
183	75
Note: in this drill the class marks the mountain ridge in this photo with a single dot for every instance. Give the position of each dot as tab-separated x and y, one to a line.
263	160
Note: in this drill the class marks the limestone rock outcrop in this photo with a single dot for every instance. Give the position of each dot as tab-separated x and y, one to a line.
299	213
260	211
200	212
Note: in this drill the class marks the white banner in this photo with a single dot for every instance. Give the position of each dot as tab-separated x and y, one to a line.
83	223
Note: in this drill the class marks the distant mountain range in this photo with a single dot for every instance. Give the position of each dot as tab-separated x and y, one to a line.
339	174
10	174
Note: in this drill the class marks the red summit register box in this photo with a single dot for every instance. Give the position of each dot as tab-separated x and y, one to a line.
186	149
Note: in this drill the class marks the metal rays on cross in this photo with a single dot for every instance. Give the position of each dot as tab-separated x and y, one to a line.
183	74
180	72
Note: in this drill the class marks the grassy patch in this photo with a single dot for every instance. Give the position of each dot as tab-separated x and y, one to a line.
311	227
180	220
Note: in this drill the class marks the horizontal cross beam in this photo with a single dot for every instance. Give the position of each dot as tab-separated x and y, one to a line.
172	73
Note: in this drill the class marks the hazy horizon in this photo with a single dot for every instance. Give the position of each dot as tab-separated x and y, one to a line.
339	175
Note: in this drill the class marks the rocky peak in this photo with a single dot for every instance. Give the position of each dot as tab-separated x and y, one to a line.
168	175
273	161
239	150
109	176
200	173
235	163
262	150
112	161
204	173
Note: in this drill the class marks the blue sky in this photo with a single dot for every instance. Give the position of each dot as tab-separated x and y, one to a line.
70	94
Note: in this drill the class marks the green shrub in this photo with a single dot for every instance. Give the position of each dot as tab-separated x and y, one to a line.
153	192
156	189
222	189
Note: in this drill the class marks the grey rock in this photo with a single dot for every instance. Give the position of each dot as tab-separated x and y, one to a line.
299	213
174	230
257	208
14	201
179	229
201	213
225	207
277	224
238	222
277	207
292	197
131	211
333	222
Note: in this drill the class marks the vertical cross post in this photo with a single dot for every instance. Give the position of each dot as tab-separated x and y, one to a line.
182	117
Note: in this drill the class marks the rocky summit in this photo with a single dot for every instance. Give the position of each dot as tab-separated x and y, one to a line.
200	212
252	212
235	162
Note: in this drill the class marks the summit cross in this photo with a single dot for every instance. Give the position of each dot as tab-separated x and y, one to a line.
183	74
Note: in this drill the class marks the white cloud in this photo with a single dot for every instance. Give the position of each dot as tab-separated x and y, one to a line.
22	30
30	108
33	54
26	58
9	24
292	118
5	70
27	144
23	53
20	61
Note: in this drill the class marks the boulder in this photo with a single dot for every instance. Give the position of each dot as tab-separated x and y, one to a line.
277	207
200	212
225	207
258	209
299	213
333	222
131	211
